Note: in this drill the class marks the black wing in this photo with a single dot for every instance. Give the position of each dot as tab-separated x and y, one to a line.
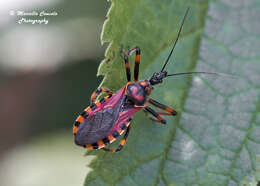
96	127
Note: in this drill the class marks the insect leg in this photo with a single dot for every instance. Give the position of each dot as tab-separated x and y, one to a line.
156	115
170	111
137	60
127	67
122	142
99	91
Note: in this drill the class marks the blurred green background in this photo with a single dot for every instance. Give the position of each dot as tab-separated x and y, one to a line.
47	74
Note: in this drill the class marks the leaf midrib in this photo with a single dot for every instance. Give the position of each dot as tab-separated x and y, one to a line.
174	129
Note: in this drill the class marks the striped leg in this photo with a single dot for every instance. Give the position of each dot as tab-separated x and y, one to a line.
137	60
155	114
169	110
122	142
127	67
99	91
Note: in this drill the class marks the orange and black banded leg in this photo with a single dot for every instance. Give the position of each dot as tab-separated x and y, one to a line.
99	91
156	115
137	60
170	111
127	67
122	142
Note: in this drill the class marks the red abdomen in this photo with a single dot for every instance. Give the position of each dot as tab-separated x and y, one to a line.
105	121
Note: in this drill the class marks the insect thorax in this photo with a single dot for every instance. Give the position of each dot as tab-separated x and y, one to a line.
137	93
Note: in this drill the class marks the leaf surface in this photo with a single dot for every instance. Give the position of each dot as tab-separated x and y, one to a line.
214	140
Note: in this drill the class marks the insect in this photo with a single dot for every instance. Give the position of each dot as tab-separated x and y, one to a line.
105	120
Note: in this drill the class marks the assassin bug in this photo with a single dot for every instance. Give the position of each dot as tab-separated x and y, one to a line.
105	120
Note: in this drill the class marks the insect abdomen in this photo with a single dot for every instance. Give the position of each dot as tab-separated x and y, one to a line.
97	126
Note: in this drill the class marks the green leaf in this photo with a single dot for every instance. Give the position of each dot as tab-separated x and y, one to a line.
214	140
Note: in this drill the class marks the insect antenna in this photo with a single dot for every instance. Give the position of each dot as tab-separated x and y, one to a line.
211	73
175	42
